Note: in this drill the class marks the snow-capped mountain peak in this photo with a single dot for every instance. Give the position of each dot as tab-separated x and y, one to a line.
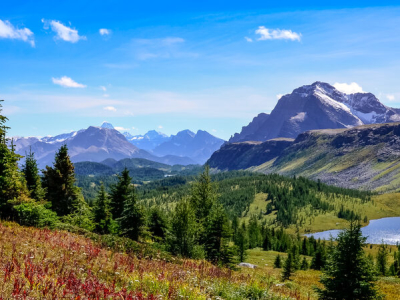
107	125
317	106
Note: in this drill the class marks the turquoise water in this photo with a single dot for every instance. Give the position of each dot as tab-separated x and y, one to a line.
386	229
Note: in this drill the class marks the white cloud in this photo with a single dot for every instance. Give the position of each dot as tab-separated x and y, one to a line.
390	97
277	34
351	88
8	31
279	96
104	31
103	88
121	128
63	32
110	108
248	39
160	127
67	82
106	95
214	130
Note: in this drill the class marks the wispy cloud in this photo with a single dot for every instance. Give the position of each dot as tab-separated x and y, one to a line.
390	97
103	88
8	31
67	82
169	47
248	39
279	96
104	31
110	108
277	34
63	32
349	88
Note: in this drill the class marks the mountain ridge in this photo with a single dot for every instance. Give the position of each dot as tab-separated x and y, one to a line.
362	157
316	106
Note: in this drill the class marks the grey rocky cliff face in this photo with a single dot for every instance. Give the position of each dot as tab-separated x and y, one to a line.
316	106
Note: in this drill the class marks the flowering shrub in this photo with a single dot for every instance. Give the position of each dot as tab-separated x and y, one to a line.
44	264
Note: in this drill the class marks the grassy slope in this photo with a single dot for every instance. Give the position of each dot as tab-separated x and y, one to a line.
366	158
44	264
303	281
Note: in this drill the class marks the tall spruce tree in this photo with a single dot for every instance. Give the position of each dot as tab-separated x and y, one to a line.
217	234
102	212
381	259
348	273
32	178
203	197
183	229
242	242
253	230
288	268
278	262
120	192
59	182
132	218
157	224
12	185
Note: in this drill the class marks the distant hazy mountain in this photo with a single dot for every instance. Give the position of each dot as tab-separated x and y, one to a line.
92	144
198	146
148	141
316	106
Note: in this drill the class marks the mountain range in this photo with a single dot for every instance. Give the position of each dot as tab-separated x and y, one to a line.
197	146
350	140
316	106
97	144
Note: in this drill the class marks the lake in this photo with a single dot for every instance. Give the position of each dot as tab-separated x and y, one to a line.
386	229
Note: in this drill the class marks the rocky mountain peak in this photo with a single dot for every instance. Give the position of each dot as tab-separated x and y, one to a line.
107	125
317	106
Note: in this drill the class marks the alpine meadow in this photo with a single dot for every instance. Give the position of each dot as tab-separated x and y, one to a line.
200	150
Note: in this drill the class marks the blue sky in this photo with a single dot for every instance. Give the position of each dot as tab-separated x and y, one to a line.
212	65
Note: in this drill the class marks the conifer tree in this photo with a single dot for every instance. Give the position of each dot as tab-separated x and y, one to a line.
132	219
348	273
157	224
304	264
59	182
253	230
217	234
235	227
288	268
295	257
381	259
120	192
242	242
203	197
183	229
32	178
319	258
278	262
12	184
102	212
